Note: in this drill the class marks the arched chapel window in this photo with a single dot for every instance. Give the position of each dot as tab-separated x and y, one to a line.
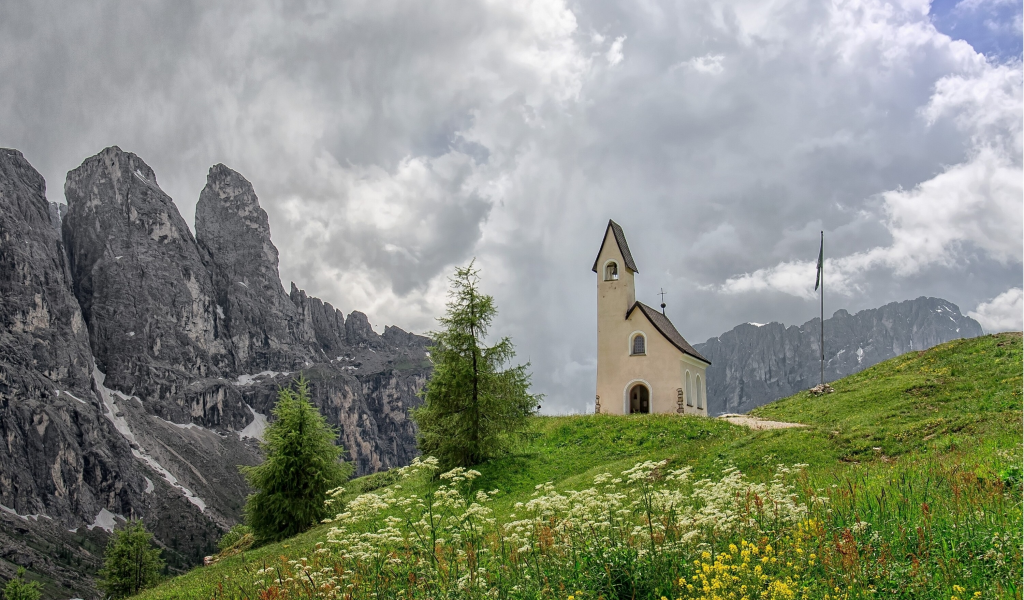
611	272
689	390
700	394
639	346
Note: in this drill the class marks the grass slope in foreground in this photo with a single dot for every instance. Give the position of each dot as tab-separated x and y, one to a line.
909	487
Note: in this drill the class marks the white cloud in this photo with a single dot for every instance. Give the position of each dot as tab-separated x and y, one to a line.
1005	312
971	206
391	185
614	55
985	102
977	202
709	63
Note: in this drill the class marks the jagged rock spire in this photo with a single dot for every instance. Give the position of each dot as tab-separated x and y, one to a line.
265	327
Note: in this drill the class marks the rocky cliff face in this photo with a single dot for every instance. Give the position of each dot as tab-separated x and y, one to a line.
145	293
138	365
266	329
59	456
754	364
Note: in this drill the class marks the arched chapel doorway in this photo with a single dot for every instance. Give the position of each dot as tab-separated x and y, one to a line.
639	399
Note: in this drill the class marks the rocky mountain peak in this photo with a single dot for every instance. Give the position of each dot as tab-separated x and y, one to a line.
17	172
231	224
42	326
144	291
266	329
358	331
117	169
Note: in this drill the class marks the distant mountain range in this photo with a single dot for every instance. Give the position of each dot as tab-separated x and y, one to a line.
754	364
139	363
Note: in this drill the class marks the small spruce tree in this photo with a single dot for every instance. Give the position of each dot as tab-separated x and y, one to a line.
19	589
130	563
475	406
303	464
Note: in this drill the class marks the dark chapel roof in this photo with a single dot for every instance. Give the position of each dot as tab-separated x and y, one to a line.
667	329
620	239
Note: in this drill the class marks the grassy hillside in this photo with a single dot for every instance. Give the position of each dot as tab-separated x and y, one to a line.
909	486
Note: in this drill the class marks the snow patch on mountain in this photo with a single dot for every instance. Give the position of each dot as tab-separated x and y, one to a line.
106	521
256	427
250	379
121	424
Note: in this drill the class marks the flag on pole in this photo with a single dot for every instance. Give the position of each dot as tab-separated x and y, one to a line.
821	255
819	280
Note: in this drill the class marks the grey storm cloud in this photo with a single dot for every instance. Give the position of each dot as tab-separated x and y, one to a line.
390	141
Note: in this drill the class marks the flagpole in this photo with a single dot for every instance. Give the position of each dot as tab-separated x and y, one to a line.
822	345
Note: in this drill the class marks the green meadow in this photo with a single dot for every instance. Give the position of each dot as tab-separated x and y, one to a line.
904	483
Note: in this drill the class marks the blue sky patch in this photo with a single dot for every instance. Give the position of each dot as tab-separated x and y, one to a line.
992	27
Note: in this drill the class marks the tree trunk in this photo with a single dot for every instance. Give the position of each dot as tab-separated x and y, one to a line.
475	436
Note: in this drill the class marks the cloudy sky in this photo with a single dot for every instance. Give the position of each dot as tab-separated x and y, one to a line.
390	141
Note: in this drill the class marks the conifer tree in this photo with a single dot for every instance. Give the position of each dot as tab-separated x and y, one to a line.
130	563
19	589
302	465
475	405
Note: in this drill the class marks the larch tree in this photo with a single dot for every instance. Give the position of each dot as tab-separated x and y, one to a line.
476	405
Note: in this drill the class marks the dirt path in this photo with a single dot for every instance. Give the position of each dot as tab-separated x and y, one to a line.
756	423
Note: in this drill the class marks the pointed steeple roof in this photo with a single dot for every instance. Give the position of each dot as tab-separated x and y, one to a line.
620	239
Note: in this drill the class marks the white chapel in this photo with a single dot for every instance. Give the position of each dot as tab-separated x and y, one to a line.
644	365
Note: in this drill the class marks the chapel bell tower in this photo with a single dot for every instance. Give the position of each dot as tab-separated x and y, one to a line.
615	275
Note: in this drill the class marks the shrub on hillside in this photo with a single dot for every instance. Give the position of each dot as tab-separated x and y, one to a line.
233	536
376	481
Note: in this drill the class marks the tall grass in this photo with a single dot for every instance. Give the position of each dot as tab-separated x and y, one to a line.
919	529
922	528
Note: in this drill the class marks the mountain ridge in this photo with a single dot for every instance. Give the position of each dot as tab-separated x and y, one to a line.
753	364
